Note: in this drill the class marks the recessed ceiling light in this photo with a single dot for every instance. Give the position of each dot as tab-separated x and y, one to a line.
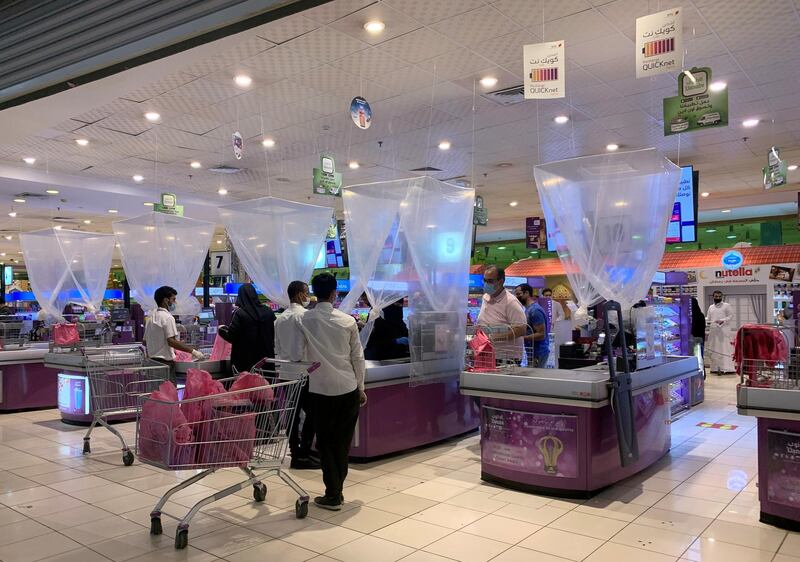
717	86
711	230
731	236
113	211
792	168
513	204
58	227
12	214
621	204
612	147
29	160
678	247
152	116
268	142
82	142
504	165
243	80
488	81
725	211
196	164
750	123
219	241
501	247
87	221
52	192
148	204
705	194
222	191
354	165
374	26
444	145
8	237
3	254
138	178
19	200
561	119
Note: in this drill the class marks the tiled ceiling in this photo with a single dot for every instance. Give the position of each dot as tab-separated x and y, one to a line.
420	76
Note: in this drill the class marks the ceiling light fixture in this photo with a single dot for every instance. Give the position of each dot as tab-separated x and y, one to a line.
612	147
501	247
219	241
58	227
148	204
196	165
137	178
222	191
444	145
113	211
19	200
488	81
243	80
29	160
353	165
717	86
705	194
8	237
268	142
731	236
12	214
749	123
621	204
792	168
725	211
711	230
82	142
87	221
52	192
374	26
561	119
513	204
152	116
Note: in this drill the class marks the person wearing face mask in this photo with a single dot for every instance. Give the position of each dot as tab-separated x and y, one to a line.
251	332
537	348
161	331
501	311
290	346
718	345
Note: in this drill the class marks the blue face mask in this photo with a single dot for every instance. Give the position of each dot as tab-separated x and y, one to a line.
488	288
171	307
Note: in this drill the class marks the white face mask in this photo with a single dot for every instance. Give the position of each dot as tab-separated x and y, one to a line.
305	303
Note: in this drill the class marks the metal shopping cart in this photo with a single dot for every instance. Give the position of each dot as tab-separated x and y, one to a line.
117	379
492	349
246	429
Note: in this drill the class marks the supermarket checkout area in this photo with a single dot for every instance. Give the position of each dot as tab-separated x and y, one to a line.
555	431
399	415
26	383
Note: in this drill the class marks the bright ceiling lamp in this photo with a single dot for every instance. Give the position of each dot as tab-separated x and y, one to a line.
749	123
52	191
29	160
792	168
148	204
444	145
488	81
152	116
196	165
612	147
717	86
374	26
222	191
113	211
12	214
19	200
268	142
138	178
513	204
705	194
243	80
561	119
82	142
87	221
353	165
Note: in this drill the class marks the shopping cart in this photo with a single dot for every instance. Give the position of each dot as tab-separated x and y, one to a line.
767	356
490	349
245	429
117	379
12	334
91	334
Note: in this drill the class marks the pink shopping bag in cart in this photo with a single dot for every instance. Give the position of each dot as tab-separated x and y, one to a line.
227	437
221	349
482	352
199	383
247	381
164	437
66	334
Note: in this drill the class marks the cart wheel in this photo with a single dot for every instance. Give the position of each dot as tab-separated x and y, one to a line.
155	526
301	509
87	448
181	538
127	458
259	491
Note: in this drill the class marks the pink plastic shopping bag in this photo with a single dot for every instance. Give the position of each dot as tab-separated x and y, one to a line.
227	438
66	334
247	381
221	349
199	383
482	351
164	435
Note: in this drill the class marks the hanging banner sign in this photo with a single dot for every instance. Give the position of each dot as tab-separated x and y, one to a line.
361	112
659	43
775	171
326	180
696	106
238	145
544	70
535	233
480	214
169	205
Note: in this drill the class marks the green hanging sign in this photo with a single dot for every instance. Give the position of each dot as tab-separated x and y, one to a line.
775	171
326	181
697	105
169	205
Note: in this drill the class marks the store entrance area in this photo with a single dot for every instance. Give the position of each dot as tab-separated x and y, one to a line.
698	503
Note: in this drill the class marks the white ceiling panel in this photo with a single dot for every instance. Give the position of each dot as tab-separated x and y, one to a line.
286	28
419	45
477	25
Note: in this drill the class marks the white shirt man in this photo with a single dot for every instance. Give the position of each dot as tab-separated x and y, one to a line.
159	328
719	348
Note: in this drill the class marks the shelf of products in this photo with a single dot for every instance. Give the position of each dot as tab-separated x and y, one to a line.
782	298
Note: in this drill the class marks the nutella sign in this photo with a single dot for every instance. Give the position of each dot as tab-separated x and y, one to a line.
740	276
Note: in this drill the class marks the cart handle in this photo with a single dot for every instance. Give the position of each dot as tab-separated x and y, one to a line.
311	366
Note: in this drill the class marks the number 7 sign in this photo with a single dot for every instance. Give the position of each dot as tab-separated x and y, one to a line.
220	263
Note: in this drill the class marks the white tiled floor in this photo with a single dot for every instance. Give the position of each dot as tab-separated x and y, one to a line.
698	504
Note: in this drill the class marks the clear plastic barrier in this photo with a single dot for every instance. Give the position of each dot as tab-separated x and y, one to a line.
67	266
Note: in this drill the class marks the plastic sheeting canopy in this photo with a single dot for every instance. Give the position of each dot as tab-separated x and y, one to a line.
67	266
612	211
159	249
412	238
278	241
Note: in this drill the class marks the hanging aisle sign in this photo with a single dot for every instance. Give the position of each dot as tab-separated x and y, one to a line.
775	171
696	106
535	233
326	180
169	205
480	214
361	112
659	43
238	145
544	70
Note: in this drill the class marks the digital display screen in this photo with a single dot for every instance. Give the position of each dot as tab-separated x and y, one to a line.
8	275
333	252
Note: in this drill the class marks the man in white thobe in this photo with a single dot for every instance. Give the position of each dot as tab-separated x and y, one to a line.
719	346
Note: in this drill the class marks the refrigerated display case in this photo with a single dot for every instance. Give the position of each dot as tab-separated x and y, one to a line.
674	325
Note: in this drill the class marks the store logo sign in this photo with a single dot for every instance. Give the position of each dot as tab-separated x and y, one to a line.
732	260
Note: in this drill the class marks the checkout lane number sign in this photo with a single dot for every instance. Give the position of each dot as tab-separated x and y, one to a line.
220	263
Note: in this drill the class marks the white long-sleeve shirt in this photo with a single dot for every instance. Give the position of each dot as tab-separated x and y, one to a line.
331	339
290	343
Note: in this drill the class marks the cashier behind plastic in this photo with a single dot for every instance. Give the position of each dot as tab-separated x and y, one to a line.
161	331
502	312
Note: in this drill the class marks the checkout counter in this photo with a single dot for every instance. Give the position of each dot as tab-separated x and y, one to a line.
553	430
399	416
26	383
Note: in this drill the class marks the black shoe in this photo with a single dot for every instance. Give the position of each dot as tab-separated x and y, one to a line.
331	504
304	463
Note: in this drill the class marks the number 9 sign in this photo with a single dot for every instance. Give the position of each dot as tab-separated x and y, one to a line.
449	246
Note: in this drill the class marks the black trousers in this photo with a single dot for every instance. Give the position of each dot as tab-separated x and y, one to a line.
336	418
300	440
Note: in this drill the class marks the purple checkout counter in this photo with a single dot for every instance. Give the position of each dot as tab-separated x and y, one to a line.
553	430
399	416
778	413
25	382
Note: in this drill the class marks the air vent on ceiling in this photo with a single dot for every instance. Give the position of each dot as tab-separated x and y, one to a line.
27	195
507	96
283	179
426	169
224	169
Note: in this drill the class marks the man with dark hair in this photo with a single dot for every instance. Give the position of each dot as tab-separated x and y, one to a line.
290	346
537	348
501	313
336	388
161	331
558	308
